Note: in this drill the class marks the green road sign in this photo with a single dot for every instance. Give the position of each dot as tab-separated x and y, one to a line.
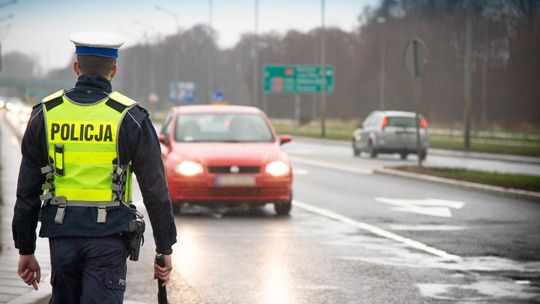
297	79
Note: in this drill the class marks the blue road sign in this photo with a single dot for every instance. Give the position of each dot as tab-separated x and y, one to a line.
218	96
182	92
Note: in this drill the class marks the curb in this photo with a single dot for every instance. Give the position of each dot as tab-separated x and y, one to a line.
509	192
41	296
487	156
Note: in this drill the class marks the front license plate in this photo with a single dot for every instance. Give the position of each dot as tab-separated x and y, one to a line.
232	180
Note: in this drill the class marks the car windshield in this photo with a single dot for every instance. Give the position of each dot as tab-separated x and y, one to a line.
222	127
400	121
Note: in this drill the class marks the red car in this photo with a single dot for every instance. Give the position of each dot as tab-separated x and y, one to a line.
225	155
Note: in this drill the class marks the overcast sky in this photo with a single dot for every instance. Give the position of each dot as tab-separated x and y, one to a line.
41	28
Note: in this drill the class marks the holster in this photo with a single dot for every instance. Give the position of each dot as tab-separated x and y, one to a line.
135	234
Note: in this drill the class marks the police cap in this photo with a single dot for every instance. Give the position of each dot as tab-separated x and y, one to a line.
96	43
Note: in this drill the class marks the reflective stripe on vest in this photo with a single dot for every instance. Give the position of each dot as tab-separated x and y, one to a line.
82	145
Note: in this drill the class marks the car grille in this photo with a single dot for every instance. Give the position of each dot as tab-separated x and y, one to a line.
235	191
227	169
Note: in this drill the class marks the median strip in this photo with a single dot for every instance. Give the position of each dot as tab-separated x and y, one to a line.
517	193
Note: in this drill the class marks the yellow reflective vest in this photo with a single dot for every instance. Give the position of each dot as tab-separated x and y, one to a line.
82	142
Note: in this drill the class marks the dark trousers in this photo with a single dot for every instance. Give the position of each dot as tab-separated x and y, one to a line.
88	269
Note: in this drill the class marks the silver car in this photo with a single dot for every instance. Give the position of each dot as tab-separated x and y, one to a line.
390	132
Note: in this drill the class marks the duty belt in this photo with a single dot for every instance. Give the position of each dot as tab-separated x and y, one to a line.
62	203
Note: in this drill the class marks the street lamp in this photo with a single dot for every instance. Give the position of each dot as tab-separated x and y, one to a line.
255	57
175	17
170	13
152	58
323	73
147	26
382	77
211	59
5	28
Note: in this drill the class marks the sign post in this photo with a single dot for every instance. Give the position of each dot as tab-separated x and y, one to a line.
415	62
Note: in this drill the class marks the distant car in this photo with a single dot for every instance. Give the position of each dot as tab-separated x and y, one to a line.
225	155
390	132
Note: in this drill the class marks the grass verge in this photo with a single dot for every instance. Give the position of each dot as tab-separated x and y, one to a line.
505	180
343	131
487	146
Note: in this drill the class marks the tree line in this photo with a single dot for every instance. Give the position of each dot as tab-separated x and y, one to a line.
505	63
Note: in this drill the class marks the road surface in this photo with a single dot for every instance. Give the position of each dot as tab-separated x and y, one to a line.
352	237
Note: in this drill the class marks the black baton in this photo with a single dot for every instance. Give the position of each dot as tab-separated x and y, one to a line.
162	290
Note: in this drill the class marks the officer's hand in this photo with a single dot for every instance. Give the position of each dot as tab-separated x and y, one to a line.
162	273
29	270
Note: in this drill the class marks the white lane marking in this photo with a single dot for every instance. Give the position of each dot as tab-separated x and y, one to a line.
330	166
428	206
378	231
426	228
300	171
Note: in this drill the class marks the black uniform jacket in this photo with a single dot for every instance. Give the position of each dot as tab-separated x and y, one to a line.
137	142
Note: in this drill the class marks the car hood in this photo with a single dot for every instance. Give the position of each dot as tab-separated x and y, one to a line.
216	154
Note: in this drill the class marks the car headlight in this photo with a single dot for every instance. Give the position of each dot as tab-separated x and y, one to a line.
189	168
277	168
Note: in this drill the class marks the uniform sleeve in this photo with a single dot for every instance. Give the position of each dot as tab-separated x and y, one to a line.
30	179
148	167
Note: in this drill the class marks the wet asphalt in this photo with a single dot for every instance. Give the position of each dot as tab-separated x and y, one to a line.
326	252
489	245
243	256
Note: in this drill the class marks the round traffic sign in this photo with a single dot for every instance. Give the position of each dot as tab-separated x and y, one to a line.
415	57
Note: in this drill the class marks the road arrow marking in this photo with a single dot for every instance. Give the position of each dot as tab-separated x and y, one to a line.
378	231
428	206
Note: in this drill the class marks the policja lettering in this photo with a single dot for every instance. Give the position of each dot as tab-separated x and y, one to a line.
81	132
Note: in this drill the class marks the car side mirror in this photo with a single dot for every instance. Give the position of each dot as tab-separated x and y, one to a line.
283	139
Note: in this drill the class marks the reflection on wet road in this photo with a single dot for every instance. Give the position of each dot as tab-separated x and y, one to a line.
255	257
242	256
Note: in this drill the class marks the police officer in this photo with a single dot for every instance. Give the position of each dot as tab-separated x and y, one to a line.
78	153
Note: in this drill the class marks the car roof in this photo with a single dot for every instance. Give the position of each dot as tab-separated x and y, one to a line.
398	113
217	109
